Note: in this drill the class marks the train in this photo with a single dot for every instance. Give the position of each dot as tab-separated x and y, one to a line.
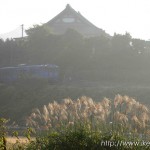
22	71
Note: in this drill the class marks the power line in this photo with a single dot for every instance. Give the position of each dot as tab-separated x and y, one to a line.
22	28
18	32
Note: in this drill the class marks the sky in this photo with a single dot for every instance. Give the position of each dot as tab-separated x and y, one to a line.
113	16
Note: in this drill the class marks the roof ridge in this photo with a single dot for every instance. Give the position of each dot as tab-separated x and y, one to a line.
69	12
78	14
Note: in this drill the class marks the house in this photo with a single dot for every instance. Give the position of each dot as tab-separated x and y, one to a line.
69	18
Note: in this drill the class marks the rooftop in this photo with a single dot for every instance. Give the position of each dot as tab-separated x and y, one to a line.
69	18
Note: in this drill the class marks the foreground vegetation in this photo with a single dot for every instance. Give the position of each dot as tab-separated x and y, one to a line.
120	124
123	113
86	124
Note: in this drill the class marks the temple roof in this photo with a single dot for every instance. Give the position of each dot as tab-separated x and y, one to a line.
69	18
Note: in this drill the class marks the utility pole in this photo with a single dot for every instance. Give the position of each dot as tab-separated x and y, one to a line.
22	29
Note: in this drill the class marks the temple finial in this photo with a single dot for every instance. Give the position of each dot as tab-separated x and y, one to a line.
68	6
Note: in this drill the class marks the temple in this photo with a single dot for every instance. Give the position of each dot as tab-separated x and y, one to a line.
69	18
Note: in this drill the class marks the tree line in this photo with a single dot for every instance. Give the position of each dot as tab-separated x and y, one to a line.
78	56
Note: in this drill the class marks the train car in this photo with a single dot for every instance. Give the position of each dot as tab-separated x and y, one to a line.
11	74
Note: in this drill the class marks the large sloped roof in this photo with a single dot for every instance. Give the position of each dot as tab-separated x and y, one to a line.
69	18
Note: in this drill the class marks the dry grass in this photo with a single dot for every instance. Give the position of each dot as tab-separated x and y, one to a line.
13	140
123	114
17	143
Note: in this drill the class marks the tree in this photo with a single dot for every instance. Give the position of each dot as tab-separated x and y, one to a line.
121	43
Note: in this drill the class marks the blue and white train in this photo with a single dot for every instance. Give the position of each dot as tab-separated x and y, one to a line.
11	74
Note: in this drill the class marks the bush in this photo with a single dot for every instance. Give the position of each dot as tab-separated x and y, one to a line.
84	139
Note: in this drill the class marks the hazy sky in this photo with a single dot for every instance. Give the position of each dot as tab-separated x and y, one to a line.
111	15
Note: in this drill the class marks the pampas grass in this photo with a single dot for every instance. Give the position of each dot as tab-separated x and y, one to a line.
121	115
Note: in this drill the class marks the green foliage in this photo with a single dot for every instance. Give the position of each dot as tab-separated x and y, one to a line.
82	139
28	133
3	133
